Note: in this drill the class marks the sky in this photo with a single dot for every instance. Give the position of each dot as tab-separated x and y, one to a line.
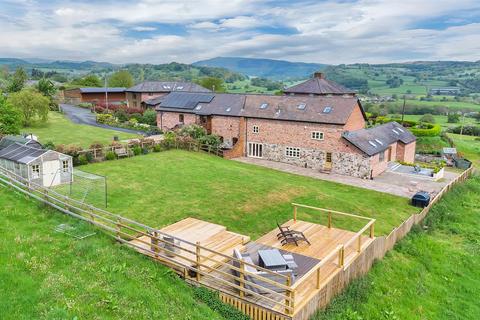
152	31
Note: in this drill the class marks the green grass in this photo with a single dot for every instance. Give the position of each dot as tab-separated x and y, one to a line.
161	188
60	130
442	120
431	274
469	146
431	144
459	105
49	275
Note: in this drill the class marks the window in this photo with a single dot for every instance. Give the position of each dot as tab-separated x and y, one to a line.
381	156
181	118
328	157
292	152
264	106
65	166
255	129
150	93
301	106
35	171
327	109
317	135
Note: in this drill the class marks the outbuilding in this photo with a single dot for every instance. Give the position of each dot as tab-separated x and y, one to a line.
42	167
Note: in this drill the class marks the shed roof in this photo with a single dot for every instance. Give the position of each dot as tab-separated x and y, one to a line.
377	139
21	153
9	140
167	86
318	85
102	90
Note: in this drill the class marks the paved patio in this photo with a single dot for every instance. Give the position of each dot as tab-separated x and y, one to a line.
388	182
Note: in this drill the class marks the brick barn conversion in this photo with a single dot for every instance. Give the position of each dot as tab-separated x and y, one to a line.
317	124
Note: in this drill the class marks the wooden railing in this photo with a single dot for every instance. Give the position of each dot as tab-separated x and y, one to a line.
193	261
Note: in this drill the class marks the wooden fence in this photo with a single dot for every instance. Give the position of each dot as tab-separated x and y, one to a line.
201	265
377	249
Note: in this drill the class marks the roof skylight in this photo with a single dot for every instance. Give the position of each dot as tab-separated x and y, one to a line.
301	106
198	107
228	109
395	131
379	142
264	106
400	129
180	88
327	109
372	143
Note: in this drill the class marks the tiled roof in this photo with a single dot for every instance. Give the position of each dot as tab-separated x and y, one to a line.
9	140
185	100
377	139
20	153
320	109
318	85
102	90
167	86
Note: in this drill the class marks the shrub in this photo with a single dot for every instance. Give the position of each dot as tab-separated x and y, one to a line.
426	130
427	118
86	105
149	117
49	145
137	150
194	131
136	116
104	118
157	148
110	155
121	115
453	118
144	150
82	159
211	299
211	140
470	130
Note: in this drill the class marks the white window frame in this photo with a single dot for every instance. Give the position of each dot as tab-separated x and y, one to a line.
35	171
65	166
292	152
255	129
317	135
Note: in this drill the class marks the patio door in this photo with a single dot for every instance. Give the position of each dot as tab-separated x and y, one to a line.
255	150
328	161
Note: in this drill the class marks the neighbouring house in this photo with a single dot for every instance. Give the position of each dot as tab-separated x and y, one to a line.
325	132
137	95
39	166
94	95
448	91
319	85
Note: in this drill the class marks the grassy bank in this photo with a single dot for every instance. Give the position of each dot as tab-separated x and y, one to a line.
434	273
60	130
50	275
161	188
469	146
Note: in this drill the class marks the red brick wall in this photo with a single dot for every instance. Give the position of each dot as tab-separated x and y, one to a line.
100	97
406	152
140	97
355	121
226	127
298	134
238	149
168	120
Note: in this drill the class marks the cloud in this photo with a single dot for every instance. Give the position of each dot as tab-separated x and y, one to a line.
324	31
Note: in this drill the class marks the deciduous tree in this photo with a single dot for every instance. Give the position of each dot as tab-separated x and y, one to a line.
10	118
32	105
17	82
212	83
121	78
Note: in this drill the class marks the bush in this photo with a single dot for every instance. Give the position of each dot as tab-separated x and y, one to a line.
453	118
104	118
426	130
86	105
157	148
194	131
149	117
49	145
110	155
121	115
212	299
137	150
82	159
211	140
427	118
470	130
136	116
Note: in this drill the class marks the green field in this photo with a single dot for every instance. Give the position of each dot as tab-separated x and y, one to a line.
162	188
50	275
434	273
457	105
60	130
469	146
442	120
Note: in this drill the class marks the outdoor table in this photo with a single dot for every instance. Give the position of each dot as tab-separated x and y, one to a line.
271	259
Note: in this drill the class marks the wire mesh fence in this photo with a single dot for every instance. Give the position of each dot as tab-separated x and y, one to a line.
86	187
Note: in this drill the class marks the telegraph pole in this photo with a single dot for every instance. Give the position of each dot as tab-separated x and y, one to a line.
106	93
403	109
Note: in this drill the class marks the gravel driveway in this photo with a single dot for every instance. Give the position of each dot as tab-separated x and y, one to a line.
85	116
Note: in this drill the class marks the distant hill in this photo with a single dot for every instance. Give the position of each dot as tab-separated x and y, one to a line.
40	63
266	68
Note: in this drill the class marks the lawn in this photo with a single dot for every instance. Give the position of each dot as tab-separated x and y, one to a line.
50	275
434	273
60	130
469	146
161	188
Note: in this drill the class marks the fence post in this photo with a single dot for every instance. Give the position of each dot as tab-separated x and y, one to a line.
294	213
329	220
359	243
154	241
198	260
118	227
288	296
341	256
242	278
372	230
318	278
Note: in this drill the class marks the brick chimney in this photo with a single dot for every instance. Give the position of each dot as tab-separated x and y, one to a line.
319	75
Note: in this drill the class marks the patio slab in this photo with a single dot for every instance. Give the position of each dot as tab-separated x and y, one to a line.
388	182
